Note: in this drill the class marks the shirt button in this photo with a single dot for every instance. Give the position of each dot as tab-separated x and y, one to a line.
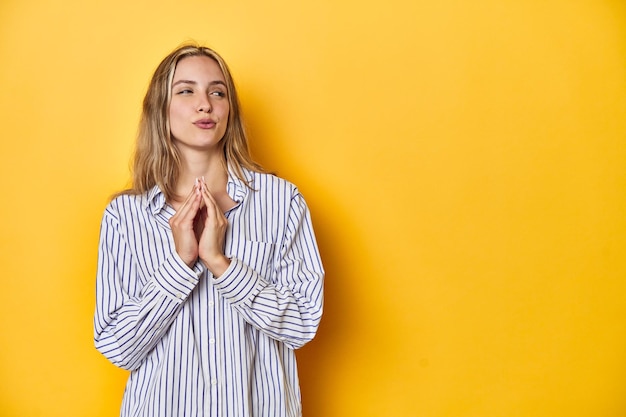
212	341
179	295
214	382
210	303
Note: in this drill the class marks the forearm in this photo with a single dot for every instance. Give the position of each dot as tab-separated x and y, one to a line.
128	335
131	317
289	313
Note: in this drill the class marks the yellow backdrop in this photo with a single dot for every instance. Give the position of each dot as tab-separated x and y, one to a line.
465	163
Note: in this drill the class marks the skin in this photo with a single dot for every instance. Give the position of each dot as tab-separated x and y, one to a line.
198	116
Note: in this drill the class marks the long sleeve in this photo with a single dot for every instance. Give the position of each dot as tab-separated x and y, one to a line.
134	306
282	297
198	345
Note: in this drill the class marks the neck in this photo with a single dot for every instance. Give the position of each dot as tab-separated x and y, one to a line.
210	166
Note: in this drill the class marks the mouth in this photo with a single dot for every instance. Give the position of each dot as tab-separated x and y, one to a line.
205	123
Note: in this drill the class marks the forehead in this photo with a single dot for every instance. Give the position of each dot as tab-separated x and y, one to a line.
198	68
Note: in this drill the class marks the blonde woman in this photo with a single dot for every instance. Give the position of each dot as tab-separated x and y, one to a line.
209	275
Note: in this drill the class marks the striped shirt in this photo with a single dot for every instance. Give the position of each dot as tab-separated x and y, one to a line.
199	345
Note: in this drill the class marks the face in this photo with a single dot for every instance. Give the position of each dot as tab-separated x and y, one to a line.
198	111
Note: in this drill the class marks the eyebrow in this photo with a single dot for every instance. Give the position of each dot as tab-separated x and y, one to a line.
216	82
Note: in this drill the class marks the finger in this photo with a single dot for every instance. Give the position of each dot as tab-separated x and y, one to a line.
208	198
192	193
193	197
215	220
183	227
213	212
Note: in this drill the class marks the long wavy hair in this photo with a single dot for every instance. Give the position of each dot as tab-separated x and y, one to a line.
156	159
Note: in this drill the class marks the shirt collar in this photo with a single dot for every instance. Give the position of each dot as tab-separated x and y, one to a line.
155	200
235	187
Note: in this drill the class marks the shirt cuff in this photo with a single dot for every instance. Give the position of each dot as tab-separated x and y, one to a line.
238	283
176	279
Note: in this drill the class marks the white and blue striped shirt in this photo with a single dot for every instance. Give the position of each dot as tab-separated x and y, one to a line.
199	345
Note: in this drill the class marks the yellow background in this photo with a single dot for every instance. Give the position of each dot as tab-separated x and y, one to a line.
465	163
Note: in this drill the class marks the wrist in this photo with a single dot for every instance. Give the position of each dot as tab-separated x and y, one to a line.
218	265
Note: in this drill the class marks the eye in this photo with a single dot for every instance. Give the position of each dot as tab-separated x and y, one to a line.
218	93
184	91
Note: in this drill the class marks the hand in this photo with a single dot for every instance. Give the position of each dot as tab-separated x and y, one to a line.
186	229
212	236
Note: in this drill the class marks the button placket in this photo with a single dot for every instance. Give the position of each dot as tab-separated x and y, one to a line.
214	359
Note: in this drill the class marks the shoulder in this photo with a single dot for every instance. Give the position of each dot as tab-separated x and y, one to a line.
126	205
266	182
278	193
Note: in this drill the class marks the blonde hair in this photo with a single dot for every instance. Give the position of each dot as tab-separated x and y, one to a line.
156	160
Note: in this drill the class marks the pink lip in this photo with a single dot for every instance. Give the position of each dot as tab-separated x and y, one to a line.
204	123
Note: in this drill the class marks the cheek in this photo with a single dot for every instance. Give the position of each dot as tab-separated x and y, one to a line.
175	117
172	113
226	120
226	112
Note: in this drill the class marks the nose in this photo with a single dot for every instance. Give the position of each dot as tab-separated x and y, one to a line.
205	105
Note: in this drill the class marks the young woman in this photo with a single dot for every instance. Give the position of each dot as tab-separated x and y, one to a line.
209	275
